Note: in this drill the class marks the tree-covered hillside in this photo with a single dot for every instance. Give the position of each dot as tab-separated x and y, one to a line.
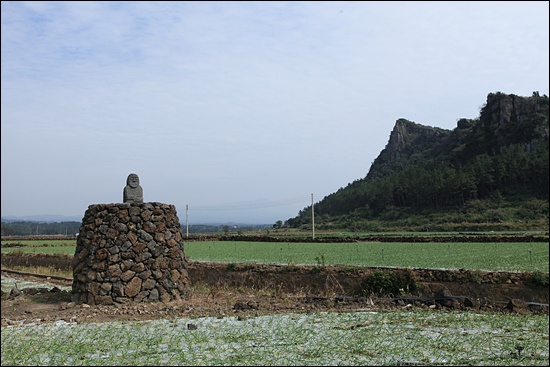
487	173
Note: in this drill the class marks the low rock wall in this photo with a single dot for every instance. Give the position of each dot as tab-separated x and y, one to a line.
129	253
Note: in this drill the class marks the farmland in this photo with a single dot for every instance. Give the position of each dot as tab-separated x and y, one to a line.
419	252
280	303
359	338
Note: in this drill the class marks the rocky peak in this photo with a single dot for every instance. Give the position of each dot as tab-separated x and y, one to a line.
508	120
406	139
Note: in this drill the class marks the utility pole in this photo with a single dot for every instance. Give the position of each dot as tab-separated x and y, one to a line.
187	220
312	219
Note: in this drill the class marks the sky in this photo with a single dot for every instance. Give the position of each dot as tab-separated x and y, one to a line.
243	112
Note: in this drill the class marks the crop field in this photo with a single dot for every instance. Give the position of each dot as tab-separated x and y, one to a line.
40	246
68	250
353	339
363	337
475	256
497	256
41	243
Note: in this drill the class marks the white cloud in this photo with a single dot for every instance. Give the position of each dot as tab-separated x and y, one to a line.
221	102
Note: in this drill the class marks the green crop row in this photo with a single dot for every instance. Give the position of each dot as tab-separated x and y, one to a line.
505	256
475	256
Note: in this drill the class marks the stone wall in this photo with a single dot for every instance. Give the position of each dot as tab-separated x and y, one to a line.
129	253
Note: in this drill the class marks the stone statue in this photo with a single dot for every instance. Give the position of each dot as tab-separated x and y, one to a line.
133	193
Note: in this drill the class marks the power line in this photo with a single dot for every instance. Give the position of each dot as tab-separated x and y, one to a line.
254	205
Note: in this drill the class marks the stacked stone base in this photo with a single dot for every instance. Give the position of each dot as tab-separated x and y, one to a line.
129	253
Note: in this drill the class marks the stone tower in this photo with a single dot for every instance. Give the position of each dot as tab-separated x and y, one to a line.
129	252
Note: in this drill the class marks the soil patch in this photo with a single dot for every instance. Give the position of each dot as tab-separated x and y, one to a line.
244	290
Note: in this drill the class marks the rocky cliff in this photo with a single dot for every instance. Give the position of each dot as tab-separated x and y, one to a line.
505	121
491	169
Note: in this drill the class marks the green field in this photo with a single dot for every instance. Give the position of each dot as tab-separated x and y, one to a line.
40	246
476	256
68	250
41	242
501	256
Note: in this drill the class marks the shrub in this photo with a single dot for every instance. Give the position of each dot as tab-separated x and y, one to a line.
315	270
538	278
389	283
476	276
320	259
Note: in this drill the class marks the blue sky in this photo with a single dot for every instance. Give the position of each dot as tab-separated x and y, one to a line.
240	110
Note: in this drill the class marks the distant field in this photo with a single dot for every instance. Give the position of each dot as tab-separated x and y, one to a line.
505	256
40	246
39	242
67	250
475	256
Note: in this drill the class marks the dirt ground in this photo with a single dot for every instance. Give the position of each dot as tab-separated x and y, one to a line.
249	290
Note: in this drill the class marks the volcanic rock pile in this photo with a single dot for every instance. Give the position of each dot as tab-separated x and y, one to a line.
129	252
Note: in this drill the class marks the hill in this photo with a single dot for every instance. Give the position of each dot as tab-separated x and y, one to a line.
489	173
